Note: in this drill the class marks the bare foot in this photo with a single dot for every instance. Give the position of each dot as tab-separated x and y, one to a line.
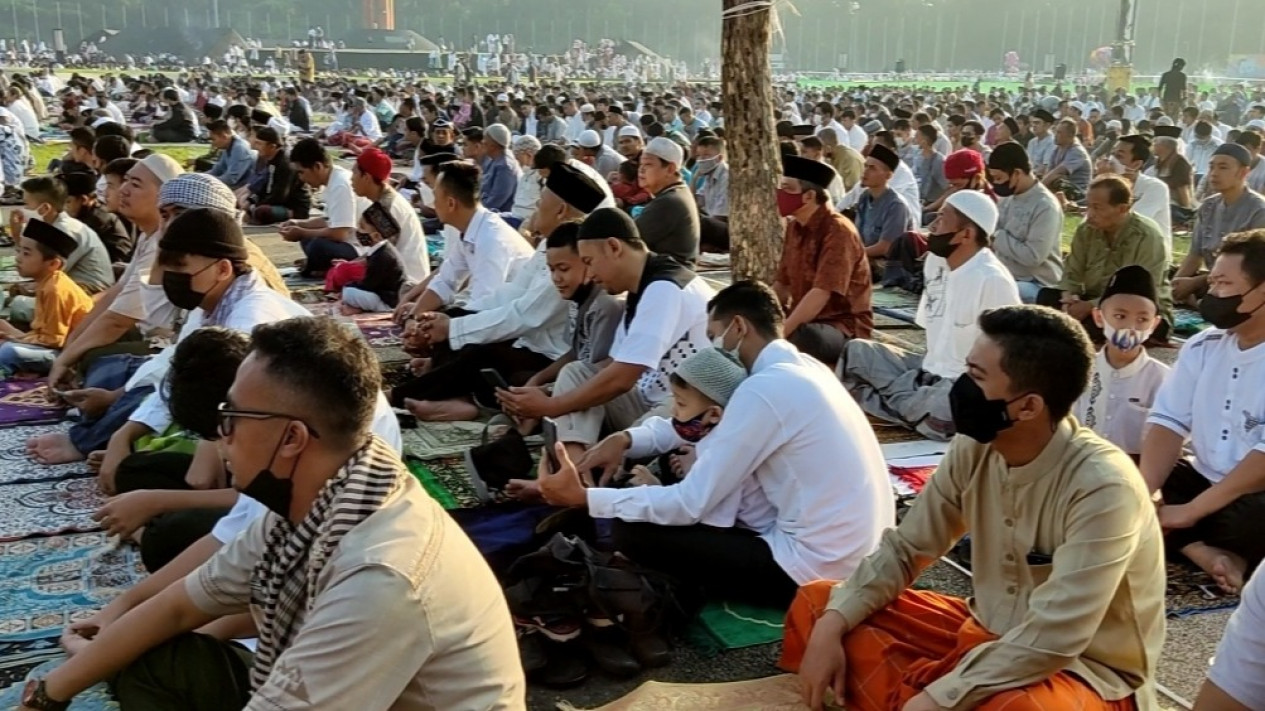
419	366
53	448
442	410
346	310
94	461
1226	568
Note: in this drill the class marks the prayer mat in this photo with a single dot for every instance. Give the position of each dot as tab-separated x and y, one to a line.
47	508
308	295
446	481
47	583
894	299
1188	322
888	433
774	693
1192	591
25	402
718	279
721	626
710	261
96	698
434	440
910	480
18	659
18	468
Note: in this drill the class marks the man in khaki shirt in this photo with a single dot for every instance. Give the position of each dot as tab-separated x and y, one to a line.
1066	552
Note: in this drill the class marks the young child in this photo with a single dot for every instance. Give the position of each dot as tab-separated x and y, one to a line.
378	289
628	194
44	198
1125	379
60	304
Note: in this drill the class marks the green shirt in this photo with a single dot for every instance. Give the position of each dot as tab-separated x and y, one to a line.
1092	260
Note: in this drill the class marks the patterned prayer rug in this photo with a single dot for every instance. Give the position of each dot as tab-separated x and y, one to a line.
47	583
25	402
774	693
446	481
17	468
1188	322
47	508
97	698
434	440
17	659
1192	591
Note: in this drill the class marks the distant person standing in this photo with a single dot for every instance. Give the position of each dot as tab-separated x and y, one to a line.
1173	88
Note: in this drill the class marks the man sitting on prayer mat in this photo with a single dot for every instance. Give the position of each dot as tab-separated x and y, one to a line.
364	592
962	278
1213	503
823	279
1068	565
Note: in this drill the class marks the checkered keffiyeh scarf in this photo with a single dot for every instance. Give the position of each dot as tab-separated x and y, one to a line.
197	190
284	580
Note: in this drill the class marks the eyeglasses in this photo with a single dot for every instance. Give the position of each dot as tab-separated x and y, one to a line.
227	414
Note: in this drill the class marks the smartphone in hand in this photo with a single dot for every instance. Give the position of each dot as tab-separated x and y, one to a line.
493	378
549	429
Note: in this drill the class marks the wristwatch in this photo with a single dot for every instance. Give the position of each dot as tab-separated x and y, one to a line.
36	697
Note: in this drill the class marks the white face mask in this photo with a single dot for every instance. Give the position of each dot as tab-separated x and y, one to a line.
719	344
1118	167
1126	339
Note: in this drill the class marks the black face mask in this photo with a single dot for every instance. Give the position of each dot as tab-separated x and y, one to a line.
1223	311
582	293
365	239
940	246
1003	189
968	140
178	288
974	415
270	490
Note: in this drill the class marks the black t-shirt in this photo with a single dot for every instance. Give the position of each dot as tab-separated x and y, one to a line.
1173	85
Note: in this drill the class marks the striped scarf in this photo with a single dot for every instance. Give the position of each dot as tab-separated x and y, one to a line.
285	579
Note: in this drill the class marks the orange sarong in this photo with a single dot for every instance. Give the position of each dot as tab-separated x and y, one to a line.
914	641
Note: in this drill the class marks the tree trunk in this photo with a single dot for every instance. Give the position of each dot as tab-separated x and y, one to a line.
754	164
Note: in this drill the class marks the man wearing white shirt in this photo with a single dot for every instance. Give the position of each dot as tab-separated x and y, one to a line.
331	236
1236	681
1214	402
824	118
795	521
857	137
665	322
490	254
1150	194
521	332
1199	150
963	278
574	122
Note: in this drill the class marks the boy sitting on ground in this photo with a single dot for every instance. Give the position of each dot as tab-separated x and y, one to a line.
1125	378
60	304
382	277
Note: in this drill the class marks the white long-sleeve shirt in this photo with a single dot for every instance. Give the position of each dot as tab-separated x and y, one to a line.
490	254
784	426
528	309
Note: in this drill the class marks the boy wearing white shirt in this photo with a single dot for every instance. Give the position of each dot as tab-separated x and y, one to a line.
963	279
1125	378
332	236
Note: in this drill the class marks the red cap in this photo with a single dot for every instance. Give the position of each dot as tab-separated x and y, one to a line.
375	164
963	164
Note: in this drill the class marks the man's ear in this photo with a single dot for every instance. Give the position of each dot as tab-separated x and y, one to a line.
1030	407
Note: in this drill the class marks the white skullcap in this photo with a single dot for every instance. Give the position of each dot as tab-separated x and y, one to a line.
589	139
666	149
629	131
163	167
498	133
976	207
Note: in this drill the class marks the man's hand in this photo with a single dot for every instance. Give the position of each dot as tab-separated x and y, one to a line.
58	376
122	515
564	487
1180	516
1185	287
526	402
114	456
922	702
8	330
401	312
92	402
1079	310
434	326
824	666
607	455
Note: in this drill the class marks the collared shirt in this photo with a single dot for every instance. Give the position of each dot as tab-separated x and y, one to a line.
1215	219
1092	259
1041	153
1118	400
137	298
527	195
1151	199
500	181
1068	564
952	302
790	415
1216	398
405	583
342	206
883	218
826	253
713	190
1029	233
1075	161
60	304
669	224
490	253
89	265
234	164
528	309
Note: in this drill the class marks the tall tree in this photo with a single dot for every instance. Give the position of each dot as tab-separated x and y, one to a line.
755	165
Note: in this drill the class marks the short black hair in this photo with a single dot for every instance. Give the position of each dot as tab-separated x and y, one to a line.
752	300
83	137
565	235
213	111
203	367
110	148
1043	352
47	190
1251	246
218	126
119	166
110	128
461	181
330	369
416	125
930	132
1249	139
309	153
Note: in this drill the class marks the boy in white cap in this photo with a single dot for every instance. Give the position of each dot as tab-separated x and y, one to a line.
963	278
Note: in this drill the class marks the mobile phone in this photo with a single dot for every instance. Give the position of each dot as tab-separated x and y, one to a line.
549	430
494	379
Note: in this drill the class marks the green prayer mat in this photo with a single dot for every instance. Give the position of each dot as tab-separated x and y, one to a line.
722	626
1188	322
894	299
445	480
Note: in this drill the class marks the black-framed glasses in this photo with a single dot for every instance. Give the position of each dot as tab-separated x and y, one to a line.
227	413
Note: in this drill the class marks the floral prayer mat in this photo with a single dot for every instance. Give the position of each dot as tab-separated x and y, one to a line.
1192	591
25	402
47	583
17	468
47	508
18	659
96	698
435	440
774	693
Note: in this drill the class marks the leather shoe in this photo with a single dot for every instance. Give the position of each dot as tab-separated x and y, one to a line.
650	650
566	668
608	654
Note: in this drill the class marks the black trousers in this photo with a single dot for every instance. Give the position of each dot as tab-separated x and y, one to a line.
1238	528
821	341
713	234
191	672
455	374
166	535
730	563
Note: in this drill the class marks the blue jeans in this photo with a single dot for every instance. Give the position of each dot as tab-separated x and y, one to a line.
1028	290
320	252
88	437
26	358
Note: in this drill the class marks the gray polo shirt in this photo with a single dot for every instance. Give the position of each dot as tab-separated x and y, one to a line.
883	218
669	224
89	265
1215	220
1076	160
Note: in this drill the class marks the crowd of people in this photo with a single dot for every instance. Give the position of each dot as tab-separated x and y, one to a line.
724	440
